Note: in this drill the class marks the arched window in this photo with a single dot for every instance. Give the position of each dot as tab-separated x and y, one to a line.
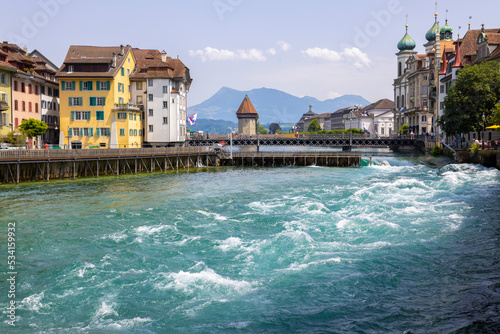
399	69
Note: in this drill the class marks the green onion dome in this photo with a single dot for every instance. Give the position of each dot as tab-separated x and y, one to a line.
446	32
435	29
406	43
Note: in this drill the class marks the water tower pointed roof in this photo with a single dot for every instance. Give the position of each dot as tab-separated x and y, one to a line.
246	108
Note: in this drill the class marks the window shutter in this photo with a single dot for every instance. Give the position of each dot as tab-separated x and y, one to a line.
108	84
72	115
97	85
81	132
70	132
89	117
97	132
63	85
80	101
74	85
108	132
81	85
103	101
70	101
123	72
91	132
92	101
89	85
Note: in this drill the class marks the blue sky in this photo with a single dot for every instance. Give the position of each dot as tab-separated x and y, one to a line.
319	48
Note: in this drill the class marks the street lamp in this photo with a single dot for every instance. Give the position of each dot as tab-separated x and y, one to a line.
483	129
67	135
258	132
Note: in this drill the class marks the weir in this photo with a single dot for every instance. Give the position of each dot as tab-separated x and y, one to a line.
44	165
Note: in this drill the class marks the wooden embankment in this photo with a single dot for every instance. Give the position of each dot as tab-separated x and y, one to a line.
283	159
43	165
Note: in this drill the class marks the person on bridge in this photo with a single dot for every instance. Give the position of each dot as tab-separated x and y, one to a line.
46	146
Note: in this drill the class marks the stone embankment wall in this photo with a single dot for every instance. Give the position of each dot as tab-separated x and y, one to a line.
485	158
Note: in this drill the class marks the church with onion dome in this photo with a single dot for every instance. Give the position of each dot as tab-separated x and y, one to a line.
415	86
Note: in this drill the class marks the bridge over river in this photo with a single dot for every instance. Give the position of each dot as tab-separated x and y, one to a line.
346	142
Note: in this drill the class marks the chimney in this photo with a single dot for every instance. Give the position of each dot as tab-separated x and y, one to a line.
113	64
164	56
122	50
25	49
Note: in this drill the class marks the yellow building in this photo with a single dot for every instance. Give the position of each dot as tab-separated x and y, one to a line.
95	99
6	71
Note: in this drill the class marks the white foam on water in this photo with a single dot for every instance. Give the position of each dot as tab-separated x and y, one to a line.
299	267
376	245
34	302
117	236
296	236
229	244
106	309
265	207
129	323
206	280
215	216
239	324
311	208
86	266
149	230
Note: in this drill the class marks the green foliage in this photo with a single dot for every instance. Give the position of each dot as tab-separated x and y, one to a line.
495	118
436	150
404	129
262	130
278	132
475	93
474	147
314	126
16	139
33	127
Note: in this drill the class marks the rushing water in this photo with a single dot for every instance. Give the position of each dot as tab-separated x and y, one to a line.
395	248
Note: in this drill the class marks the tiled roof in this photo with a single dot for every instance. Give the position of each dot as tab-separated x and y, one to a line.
151	65
7	66
78	54
380	104
246	107
469	42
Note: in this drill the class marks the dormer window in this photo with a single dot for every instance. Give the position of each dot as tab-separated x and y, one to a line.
71	68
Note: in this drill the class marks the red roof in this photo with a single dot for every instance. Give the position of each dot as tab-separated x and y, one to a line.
246	108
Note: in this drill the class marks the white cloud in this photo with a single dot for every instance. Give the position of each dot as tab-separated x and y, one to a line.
284	46
272	51
325	54
212	54
333	95
353	55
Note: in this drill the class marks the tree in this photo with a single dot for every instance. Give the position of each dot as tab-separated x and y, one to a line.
16	139
274	127
314	126
474	94
404	129
33	128
262	130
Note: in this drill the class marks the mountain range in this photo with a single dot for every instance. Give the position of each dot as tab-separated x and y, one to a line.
272	105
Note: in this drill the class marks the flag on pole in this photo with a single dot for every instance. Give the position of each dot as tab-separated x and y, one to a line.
192	119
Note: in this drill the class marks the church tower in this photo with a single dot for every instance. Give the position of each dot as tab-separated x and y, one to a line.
247	117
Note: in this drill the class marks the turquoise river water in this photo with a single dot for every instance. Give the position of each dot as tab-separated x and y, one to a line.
399	247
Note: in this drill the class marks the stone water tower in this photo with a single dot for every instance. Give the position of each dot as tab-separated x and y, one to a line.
247	117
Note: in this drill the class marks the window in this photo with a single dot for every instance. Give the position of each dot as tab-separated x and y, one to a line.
98	101
99	115
130	132
103	85
129	89
36	89
3	78
150	82
85	85
135	132
123	71
122	132
71	68
140	132
165	120
150	128
30	89
68	85
120	100
135	117
75	101
131	117
76	132
42	90
424	118
15	86
16	106
102	144
23	87
138	85
49	89
165	104
80	115
128	72
165	89
122	115
139	99
150	112
103	132
150	97
36	107
29	107
441	89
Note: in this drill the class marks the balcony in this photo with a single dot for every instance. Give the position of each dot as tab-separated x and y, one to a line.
127	107
4	106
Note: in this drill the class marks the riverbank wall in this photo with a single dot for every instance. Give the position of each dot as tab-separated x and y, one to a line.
483	157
